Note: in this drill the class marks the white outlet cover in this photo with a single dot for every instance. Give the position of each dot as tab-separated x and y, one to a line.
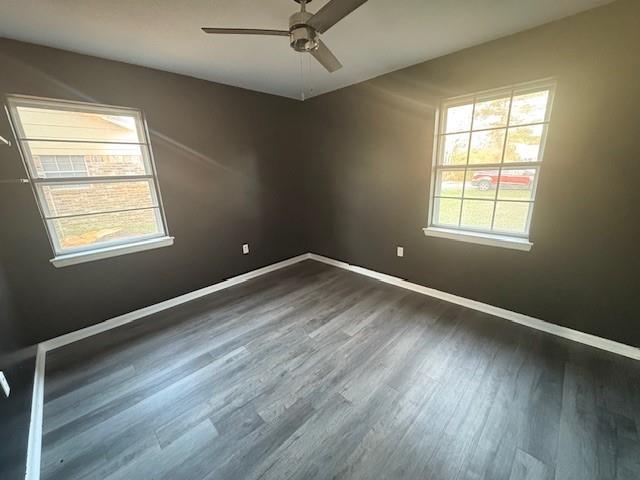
401	251
245	248
5	384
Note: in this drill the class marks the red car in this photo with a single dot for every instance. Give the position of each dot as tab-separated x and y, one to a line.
516	179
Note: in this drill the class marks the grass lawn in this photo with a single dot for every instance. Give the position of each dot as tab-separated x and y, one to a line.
79	231
477	211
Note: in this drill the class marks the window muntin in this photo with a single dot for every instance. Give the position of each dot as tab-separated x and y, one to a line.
59	166
487	161
92	172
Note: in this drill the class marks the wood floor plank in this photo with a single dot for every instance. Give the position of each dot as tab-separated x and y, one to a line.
526	467
580	452
138	421
156	461
312	372
524	413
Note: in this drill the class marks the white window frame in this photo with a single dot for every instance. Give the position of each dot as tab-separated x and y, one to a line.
72	256
482	236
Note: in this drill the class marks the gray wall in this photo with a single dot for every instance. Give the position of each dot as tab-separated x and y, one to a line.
369	178
225	172
230	174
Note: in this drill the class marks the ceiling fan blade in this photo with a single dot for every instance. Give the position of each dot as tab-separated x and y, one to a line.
247	31
332	13
327	59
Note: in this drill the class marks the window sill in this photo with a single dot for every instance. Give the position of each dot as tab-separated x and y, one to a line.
480	238
107	252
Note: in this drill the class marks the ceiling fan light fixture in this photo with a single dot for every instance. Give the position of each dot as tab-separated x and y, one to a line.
304	29
303	39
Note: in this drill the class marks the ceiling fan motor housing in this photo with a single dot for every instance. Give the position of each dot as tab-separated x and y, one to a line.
303	37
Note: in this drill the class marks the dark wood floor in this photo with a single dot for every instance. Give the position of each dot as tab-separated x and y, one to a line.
315	373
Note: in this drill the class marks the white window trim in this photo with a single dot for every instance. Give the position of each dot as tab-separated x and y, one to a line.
497	239
106	250
488	239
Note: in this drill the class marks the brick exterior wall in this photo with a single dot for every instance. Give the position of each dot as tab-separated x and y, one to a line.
100	197
101	165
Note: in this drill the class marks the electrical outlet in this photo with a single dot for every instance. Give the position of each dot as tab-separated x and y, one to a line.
245	249
5	384
401	251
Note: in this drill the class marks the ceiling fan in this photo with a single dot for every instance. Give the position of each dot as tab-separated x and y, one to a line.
304	28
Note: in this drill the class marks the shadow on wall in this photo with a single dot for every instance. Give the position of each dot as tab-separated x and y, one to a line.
215	148
277	181
17	362
372	174
64	90
354	153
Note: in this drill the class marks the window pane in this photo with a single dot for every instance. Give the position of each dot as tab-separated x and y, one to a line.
82	198
459	118
529	108
454	149
481	183
44	123
517	184
446	212
449	183
491	113
476	214
523	144
77	232
56	166
64	164
487	146
511	217
100	159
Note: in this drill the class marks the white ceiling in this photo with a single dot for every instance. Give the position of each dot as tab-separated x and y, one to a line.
379	37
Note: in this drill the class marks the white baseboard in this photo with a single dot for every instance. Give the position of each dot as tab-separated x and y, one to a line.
37	406
552	328
34	447
158	307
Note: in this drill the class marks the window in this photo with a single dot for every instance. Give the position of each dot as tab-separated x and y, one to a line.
488	154
62	166
93	177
